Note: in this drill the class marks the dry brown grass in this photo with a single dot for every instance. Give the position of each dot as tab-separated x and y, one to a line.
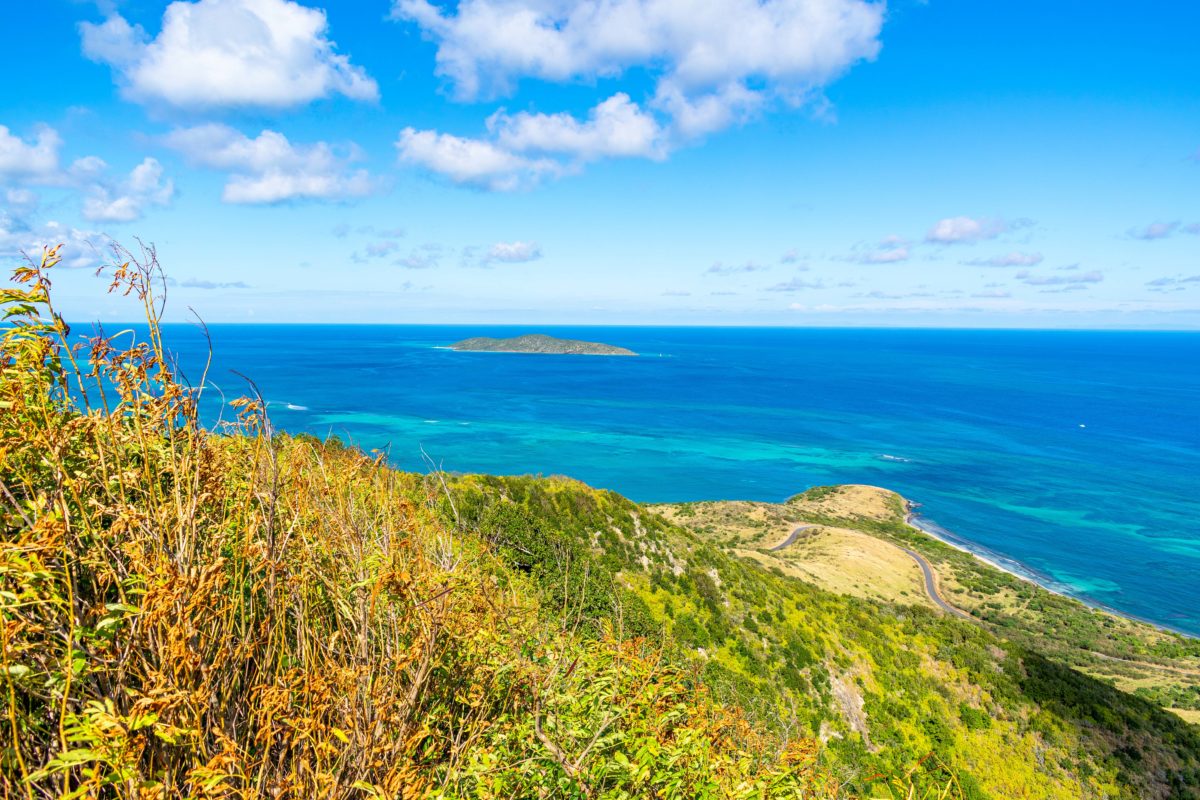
840	560
243	614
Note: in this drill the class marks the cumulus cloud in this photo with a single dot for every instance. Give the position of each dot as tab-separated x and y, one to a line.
235	53
1013	259
779	47
712	66
966	230
127	200
270	169
520	149
694	116
993	293
614	128
33	161
471	162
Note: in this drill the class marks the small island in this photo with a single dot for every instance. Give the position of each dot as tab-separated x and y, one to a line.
539	343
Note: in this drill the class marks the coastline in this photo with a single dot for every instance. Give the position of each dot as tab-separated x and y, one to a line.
1018	570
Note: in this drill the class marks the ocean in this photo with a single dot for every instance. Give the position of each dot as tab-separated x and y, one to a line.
1073	457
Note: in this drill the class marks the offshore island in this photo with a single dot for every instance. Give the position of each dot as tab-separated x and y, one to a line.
539	343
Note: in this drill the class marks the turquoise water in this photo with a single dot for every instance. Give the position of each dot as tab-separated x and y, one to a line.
1073	455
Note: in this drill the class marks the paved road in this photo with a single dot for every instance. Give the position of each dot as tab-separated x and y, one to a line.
791	539
931	586
930	581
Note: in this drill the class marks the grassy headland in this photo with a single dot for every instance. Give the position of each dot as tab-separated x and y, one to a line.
852	543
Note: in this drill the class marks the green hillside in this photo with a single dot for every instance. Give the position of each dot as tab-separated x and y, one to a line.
882	685
241	613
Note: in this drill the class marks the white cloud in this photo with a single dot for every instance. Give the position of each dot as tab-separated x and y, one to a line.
88	168
713	65
270	169
784	47
524	148
513	253
1013	259
696	115
126	202
29	161
240	53
471	162
36	163
887	255
80	248
616	127
21	199
965	230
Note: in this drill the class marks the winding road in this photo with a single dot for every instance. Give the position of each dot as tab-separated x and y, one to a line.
791	539
930	580
931	586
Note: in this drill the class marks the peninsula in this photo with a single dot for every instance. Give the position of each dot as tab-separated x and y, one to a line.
539	343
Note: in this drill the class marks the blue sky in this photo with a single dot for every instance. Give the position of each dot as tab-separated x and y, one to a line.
793	162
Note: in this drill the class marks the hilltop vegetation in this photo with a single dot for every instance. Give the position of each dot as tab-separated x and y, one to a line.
242	613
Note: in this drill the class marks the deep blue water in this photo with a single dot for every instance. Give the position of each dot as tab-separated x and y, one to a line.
1073	454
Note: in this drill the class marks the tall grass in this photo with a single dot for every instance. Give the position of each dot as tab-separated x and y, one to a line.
235	613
